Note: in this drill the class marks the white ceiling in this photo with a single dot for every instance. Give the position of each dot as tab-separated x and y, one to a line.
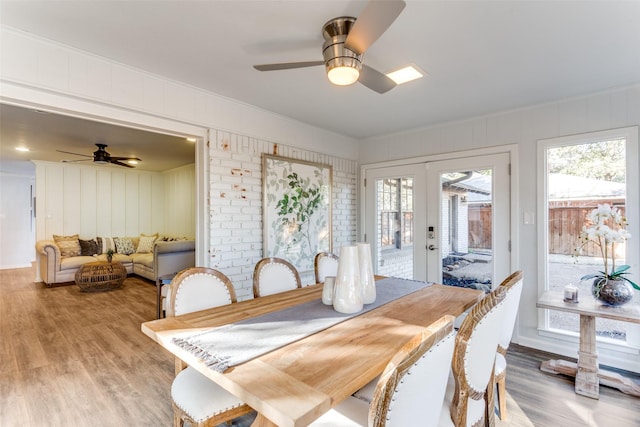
481	56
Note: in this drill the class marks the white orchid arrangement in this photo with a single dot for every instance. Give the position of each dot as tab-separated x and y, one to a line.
606	227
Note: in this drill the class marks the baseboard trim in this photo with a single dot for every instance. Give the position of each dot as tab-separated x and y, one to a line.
11	267
618	360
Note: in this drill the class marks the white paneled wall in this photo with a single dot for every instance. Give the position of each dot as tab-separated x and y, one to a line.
612	109
98	201
180	201
236	203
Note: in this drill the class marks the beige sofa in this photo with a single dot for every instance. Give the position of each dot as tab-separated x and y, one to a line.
167	257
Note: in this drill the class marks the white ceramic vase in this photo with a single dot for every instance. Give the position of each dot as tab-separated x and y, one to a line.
347	295
327	290
367	281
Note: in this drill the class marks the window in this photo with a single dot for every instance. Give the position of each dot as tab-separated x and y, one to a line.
395	199
580	173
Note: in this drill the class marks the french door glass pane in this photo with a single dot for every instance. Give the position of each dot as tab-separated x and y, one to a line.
580	177
466	240
395	227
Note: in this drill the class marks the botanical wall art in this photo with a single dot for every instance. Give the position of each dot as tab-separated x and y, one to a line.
297	210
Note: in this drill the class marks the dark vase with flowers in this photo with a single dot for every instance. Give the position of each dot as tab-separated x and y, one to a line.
612	292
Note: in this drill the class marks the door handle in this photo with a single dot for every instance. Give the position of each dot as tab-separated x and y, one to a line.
432	247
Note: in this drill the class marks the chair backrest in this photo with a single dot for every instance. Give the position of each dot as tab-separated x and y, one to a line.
474	358
199	288
274	275
412	386
512	302
325	264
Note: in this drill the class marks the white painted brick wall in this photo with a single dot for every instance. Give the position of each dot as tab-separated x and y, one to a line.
463	226
235	198
397	264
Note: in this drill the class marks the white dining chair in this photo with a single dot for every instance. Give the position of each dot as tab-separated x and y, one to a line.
199	288
469	398
512	302
411	388
195	398
274	275
325	264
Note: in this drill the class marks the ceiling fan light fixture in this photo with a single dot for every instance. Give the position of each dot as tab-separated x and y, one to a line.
343	65
343	75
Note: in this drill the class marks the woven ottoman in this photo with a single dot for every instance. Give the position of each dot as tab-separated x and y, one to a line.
100	276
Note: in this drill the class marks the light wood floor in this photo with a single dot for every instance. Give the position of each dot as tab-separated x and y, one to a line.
69	358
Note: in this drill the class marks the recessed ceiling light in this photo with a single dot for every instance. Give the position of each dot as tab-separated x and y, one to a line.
24	149
191	139
132	162
406	74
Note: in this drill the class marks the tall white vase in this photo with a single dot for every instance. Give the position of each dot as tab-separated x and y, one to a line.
367	281
347	296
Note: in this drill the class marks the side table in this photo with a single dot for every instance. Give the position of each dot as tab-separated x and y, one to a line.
100	276
588	374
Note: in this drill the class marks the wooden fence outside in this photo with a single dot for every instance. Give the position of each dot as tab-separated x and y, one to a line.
480	226
565	224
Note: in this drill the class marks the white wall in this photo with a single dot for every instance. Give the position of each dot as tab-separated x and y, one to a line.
17	226
98	201
524	127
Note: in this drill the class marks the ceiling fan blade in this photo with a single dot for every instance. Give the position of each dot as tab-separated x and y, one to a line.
374	20
75	154
116	162
375	80
287	65
125	158
73	161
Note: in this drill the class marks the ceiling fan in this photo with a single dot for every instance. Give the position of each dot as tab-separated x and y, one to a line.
346	40
101	156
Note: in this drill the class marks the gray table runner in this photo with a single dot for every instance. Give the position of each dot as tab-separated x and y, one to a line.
236	343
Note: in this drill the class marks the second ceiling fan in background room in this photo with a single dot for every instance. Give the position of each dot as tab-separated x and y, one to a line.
346	40
101	156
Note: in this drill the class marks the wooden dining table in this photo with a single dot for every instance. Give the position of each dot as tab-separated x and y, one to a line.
295	384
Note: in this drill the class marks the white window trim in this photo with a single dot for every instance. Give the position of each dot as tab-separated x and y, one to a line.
630	134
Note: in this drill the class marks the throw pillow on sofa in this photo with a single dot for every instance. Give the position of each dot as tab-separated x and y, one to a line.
88	247
104	244
69	245
124	245
145	245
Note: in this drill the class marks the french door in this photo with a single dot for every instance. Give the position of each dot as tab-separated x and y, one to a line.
395	221
468	221
444	221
